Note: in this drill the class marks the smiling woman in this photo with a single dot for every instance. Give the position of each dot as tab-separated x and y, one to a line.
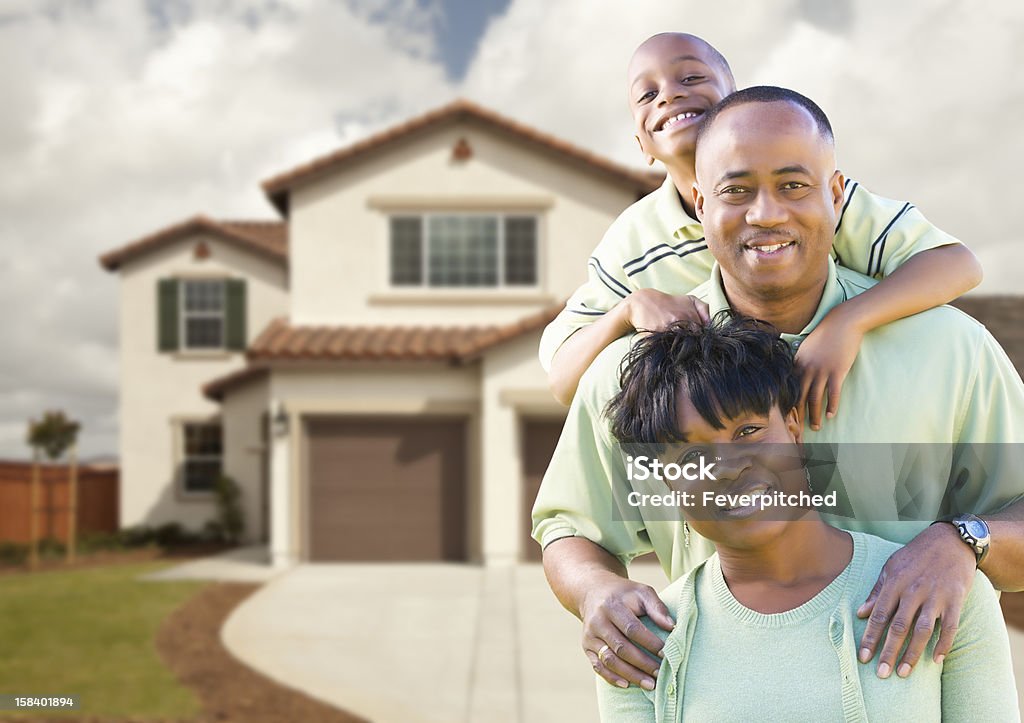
776	604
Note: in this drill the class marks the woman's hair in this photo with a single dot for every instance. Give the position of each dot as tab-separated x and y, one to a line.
732	366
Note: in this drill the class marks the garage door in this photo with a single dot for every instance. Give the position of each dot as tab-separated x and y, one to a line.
539	439
386	489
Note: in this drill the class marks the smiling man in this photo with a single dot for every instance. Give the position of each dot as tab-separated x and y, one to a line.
769	193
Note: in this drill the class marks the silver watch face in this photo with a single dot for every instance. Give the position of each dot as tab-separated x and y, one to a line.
977	529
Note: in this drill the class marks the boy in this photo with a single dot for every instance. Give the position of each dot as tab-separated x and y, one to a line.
654	253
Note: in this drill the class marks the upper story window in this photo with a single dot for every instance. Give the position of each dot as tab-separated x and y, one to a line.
464	250
201	314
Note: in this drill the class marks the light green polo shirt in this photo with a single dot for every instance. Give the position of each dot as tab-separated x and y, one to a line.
654	244
935	377
725	662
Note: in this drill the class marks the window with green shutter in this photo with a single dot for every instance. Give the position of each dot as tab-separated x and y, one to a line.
201	314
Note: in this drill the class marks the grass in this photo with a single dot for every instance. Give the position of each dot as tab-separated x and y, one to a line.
90	633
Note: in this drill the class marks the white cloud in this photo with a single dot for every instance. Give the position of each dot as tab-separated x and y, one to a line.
925	97
118	120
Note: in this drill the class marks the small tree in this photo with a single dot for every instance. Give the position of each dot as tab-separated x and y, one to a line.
53	435
230	517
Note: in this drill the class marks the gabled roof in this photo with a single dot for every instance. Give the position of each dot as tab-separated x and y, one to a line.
266	238
278	187
284	342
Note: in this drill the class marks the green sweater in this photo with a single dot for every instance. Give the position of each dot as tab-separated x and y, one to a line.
725	662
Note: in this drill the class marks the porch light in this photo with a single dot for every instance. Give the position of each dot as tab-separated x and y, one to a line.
280	426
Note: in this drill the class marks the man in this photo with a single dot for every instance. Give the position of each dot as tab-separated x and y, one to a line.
768	194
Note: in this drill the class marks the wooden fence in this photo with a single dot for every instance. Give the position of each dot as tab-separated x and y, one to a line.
98	490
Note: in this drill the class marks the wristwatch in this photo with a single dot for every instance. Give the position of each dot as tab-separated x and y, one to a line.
974	531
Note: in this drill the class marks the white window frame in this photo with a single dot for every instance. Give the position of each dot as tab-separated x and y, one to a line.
184	314
185	457
500	287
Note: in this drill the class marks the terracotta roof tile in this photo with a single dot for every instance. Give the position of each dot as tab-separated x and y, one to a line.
278	187
267	238
283	341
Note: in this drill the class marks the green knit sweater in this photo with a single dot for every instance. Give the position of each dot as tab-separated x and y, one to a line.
725	662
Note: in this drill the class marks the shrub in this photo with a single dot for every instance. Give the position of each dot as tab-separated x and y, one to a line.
229	510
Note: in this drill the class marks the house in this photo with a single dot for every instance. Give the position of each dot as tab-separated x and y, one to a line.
366	367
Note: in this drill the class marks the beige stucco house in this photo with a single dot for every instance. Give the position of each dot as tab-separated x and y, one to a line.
366	367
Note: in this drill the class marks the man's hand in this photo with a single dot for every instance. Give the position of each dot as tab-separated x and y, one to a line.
927	580
651	310
612	630
823	360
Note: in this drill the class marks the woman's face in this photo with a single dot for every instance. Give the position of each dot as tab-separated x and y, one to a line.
753	455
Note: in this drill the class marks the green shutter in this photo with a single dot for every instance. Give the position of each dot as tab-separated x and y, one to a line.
235	314
167	315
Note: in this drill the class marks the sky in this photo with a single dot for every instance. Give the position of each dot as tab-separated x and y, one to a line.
121	117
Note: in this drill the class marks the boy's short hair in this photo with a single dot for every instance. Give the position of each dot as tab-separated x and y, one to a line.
767	94
732	366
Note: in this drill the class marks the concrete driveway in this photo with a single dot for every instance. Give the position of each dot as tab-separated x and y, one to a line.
407	642
429	642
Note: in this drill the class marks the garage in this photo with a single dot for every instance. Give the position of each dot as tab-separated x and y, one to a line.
539	438
386	489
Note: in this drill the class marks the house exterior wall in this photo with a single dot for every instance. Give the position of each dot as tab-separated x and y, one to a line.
340	232
242	416
514	386
160	390
377	390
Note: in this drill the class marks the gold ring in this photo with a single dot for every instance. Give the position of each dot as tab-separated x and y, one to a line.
600	653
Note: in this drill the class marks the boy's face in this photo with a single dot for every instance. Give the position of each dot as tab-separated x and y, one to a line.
673	80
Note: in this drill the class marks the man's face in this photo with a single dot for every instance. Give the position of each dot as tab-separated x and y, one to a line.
768	194
672	81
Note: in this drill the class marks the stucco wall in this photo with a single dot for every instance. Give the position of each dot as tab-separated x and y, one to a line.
514	387
159	390
339	227
244	444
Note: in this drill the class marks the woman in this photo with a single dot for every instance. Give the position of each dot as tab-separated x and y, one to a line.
766	628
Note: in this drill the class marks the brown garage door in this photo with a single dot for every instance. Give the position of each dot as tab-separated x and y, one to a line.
387	489
539	439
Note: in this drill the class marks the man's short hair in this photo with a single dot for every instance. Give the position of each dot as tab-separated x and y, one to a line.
767	94
734	365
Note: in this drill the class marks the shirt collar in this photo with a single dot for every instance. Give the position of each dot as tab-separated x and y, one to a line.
671	214
832	296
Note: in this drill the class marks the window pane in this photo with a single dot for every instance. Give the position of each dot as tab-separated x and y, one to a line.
203	452
201	475
206	295
463	251
202	439
204	332
406	251
521	250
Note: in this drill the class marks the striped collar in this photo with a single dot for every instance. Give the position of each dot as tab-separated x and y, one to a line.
670	212
833	295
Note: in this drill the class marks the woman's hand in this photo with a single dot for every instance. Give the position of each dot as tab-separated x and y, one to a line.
619	646
652	310
823	360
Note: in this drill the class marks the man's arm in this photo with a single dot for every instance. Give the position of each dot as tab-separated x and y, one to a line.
593	585
930	577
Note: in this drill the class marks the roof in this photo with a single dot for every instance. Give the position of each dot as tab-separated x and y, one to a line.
278	187
266	238
282	341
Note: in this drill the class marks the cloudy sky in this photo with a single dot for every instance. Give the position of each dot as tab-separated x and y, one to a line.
120	117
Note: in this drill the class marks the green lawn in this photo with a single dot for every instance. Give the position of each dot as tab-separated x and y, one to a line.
90	633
